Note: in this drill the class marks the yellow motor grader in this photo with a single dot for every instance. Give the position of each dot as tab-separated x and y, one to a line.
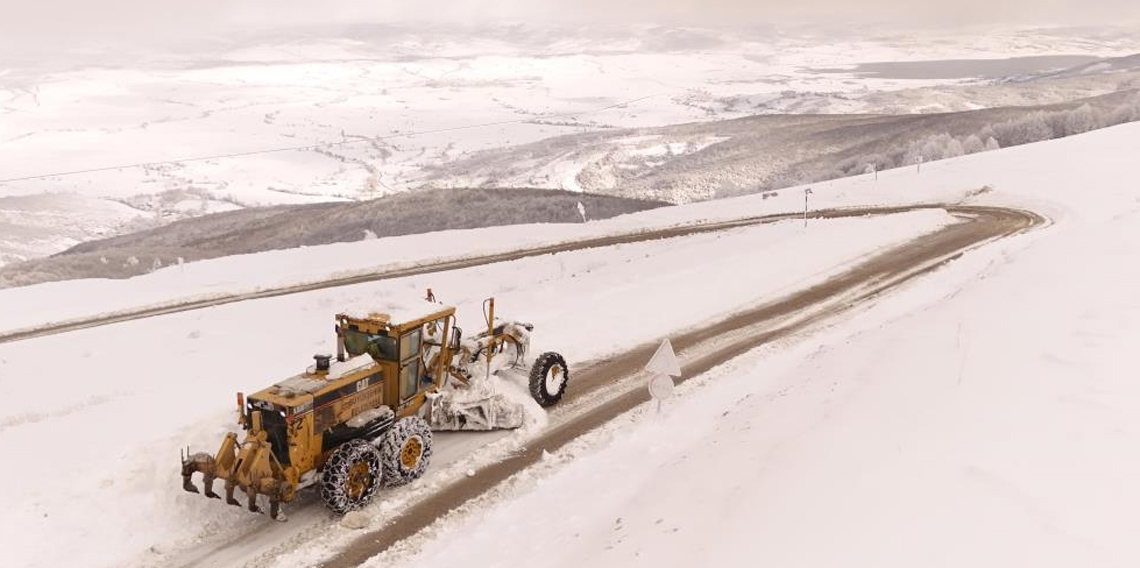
365	418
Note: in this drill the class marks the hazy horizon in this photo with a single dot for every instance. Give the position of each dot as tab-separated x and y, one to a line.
76	23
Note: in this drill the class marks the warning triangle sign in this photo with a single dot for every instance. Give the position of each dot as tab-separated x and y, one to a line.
664	361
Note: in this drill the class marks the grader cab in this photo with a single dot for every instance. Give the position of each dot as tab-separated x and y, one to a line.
365	418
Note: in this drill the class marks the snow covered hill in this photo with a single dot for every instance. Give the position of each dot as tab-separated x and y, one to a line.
980	409
706	160
291	226
367	110
33	226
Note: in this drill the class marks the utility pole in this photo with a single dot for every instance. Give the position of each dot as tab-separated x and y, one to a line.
920	164
807	192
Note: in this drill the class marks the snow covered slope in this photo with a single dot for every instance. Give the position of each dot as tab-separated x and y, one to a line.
38	225
368	108
968	393
987	415
706	160
291	226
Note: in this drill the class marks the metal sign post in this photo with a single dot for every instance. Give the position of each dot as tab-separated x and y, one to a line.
660	388
807	192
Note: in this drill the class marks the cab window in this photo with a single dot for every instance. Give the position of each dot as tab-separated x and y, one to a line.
410	345
410	363
378	346
409	379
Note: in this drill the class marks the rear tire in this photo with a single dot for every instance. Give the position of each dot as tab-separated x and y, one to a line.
351	476
406	450
548	378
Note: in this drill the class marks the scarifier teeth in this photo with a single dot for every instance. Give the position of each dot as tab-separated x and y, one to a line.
208	485
189	485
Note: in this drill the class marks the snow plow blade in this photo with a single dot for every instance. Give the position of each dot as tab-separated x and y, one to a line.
447	413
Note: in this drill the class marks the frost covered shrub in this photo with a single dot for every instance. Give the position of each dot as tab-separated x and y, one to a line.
972	144
1025	130
1129	111
861	165
1079	120
935	147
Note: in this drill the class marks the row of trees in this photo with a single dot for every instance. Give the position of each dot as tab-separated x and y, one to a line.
1036	126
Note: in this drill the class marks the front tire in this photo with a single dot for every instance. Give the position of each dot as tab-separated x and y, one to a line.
351	476
406	450
548	378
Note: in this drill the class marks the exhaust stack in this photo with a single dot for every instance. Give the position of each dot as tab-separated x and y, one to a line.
339	345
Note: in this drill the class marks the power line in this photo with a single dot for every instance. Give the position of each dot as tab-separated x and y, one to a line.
321	144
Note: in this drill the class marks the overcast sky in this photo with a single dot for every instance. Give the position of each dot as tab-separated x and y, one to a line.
51	20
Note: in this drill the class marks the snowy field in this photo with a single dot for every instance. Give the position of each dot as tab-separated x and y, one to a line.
38	225
371	111
981	410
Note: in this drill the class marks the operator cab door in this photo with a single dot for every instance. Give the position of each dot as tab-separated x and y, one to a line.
410	364
432	354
